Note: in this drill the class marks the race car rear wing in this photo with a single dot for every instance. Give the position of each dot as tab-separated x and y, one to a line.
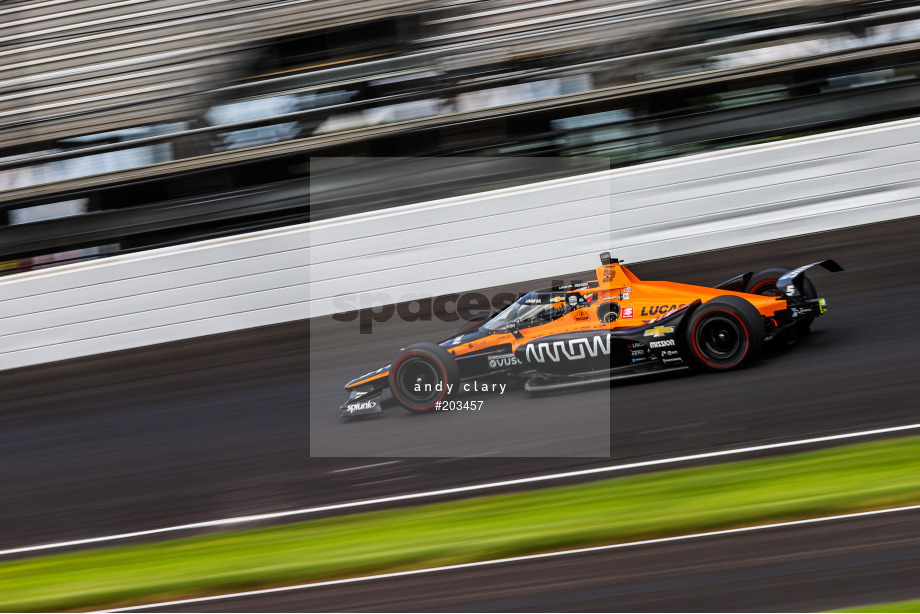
791	283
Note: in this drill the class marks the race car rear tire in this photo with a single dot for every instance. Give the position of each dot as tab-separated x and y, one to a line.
724	333
423	375
764	283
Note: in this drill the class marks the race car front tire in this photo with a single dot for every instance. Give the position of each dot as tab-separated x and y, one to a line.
724	333
423	375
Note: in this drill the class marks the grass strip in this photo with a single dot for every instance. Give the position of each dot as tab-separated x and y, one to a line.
838	480
897	606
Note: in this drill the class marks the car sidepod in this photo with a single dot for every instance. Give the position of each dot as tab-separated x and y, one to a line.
652	346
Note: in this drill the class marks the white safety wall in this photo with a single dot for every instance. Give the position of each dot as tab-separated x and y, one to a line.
548	229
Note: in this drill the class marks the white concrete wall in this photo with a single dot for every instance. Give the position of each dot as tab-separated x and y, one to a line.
548	229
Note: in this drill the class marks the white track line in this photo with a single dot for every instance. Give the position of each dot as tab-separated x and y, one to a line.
455	490
515	559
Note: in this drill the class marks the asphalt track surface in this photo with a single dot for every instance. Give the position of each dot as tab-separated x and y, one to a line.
219	427
805	568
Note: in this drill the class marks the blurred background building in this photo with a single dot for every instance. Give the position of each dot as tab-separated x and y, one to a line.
131	124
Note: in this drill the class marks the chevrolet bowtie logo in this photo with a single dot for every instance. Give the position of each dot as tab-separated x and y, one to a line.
659	331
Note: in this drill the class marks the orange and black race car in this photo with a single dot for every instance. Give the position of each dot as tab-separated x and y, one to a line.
617	326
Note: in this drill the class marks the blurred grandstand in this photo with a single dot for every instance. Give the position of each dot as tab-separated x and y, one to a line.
131	124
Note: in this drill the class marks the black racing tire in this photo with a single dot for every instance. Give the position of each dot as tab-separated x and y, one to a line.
764	283
724	333
423	364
